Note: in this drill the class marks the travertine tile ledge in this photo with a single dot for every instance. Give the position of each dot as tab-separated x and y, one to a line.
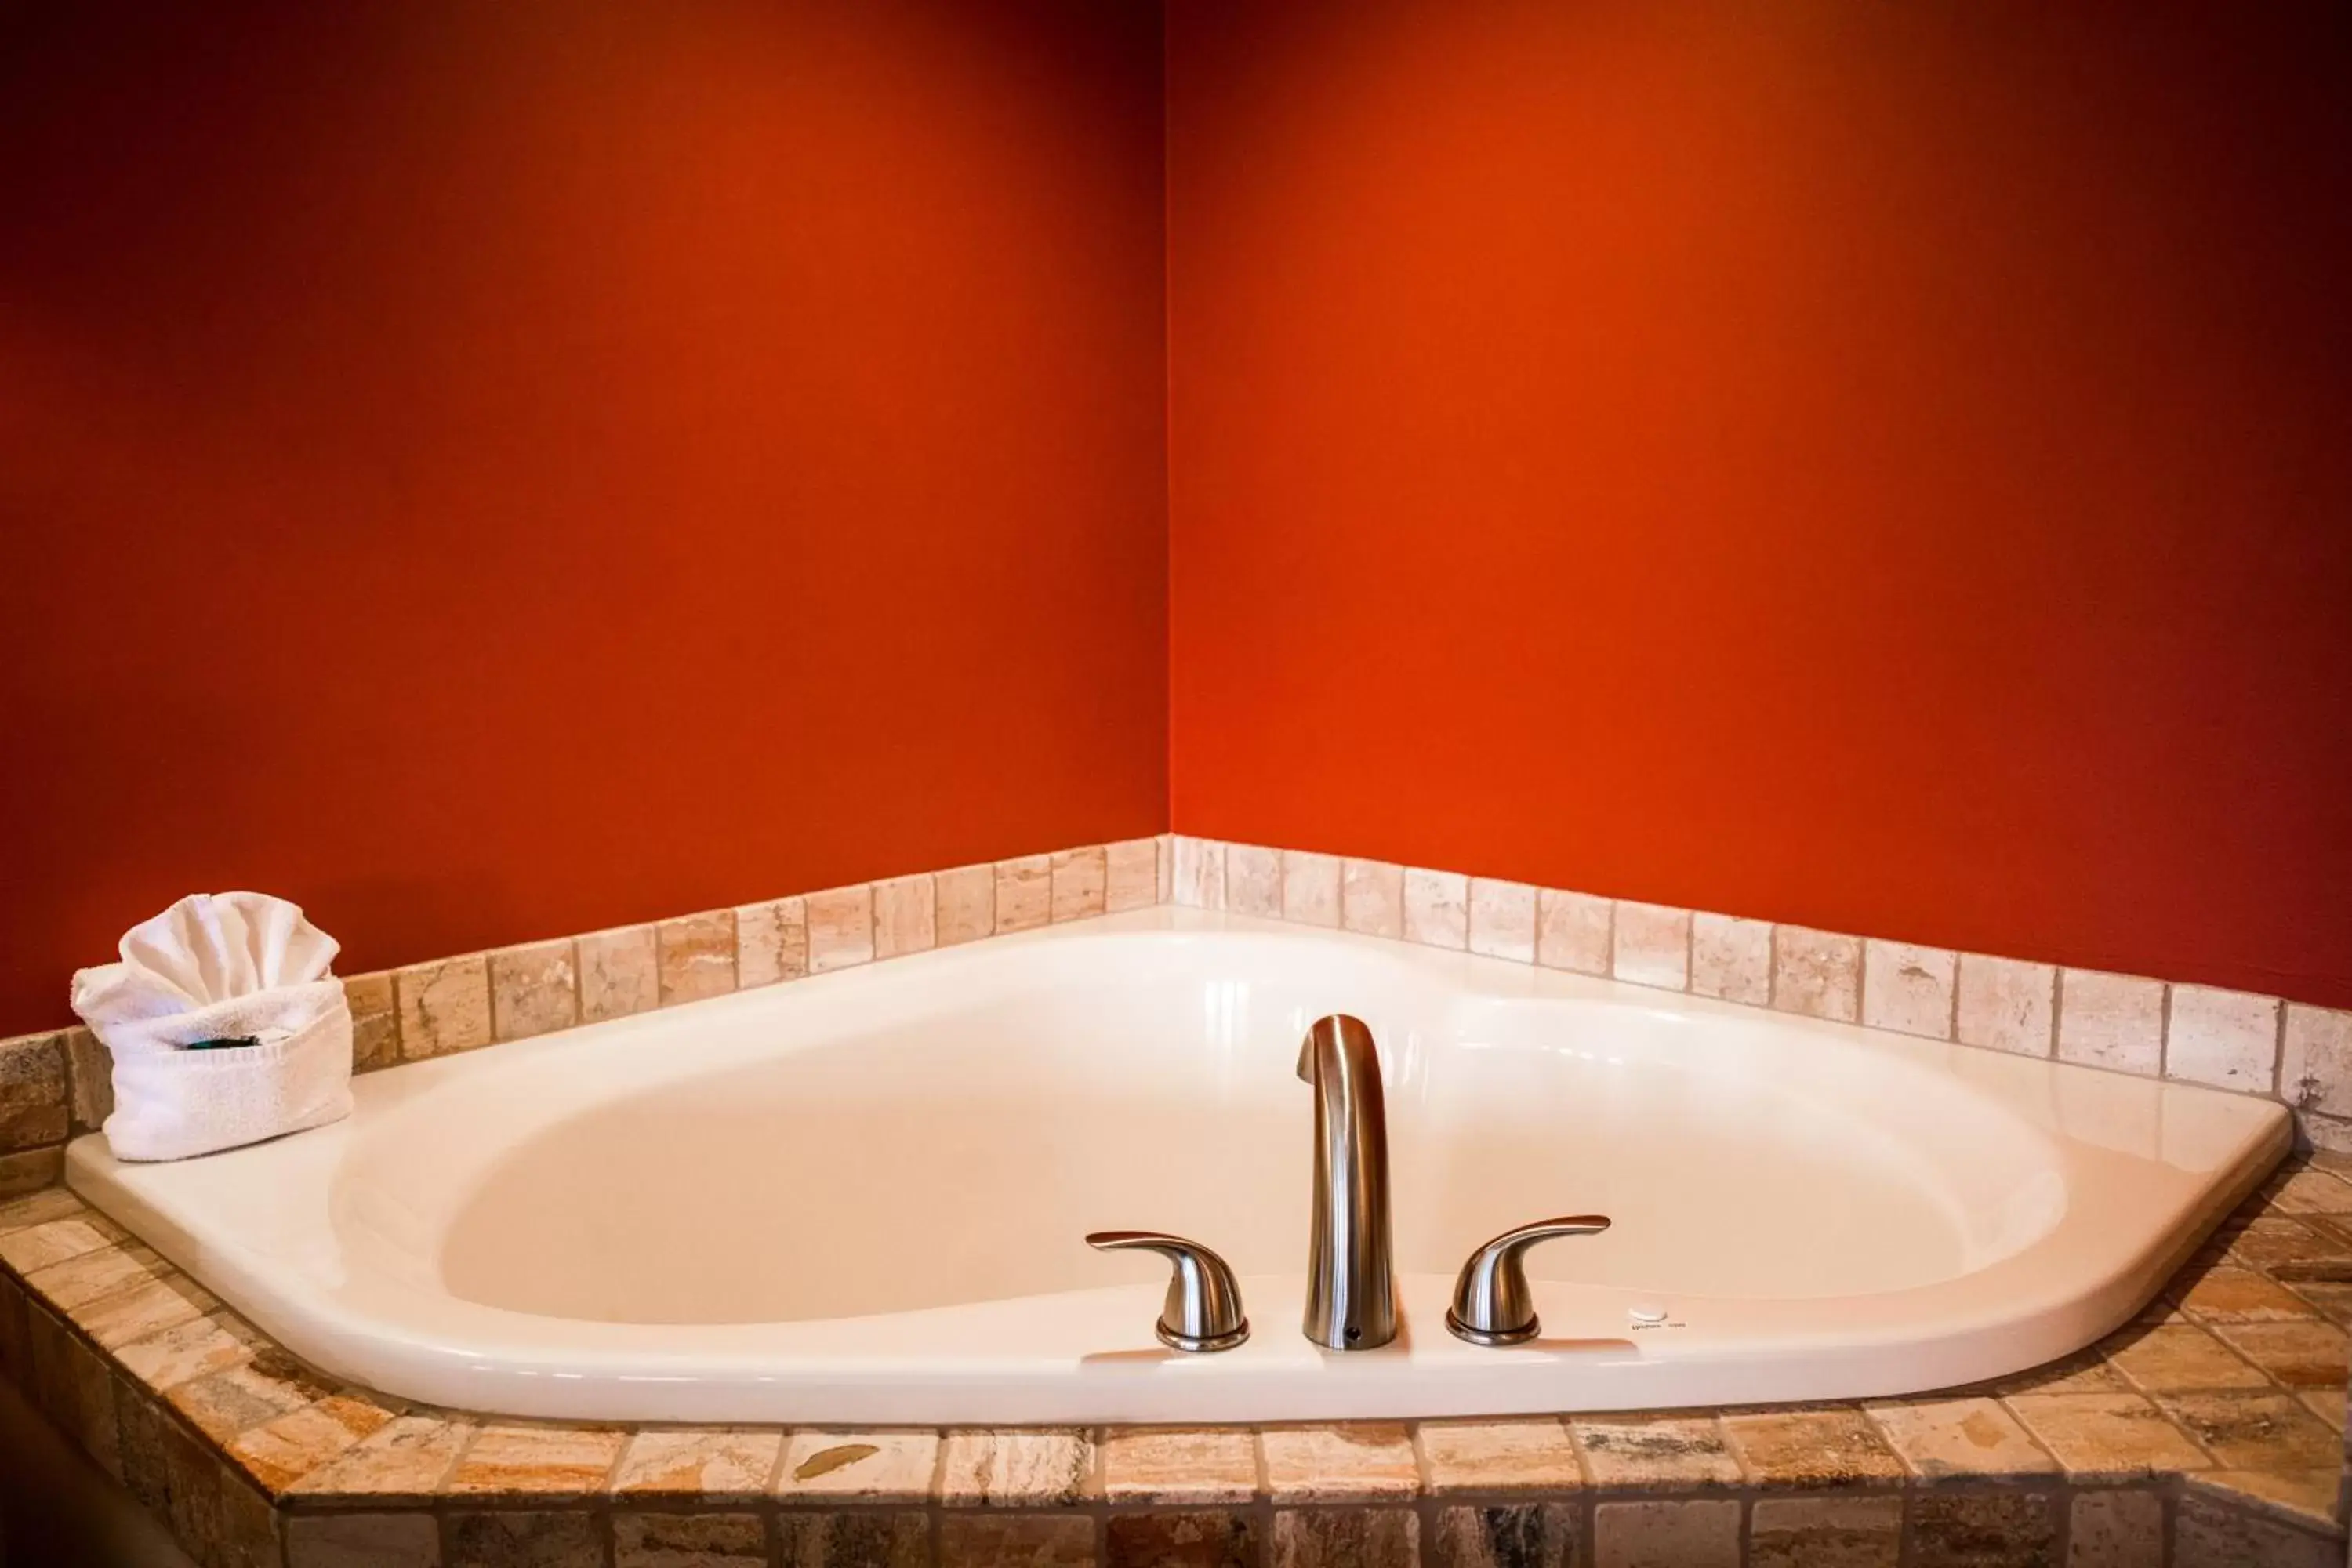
2214	1423
56	1083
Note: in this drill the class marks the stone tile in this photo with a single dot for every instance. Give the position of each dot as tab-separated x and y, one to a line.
2332	1299
163	1301
1650	945
534	990
1176	1465
2305	1497
185	1351
979	1539
279	1453
2325	1134
251	1536
906	917
38	1247
145	1431
1016	1468
2006	1004
2269	1431
1310	888
1371	898
89	1077
1081	883
444	1006
1825	1533
174	1477
2301	1355
2207	1534
1703	1533
2116	1529
1196	869
619	973
362	1540
2282	1246
1573	931
75	1282
1167	846
1503	920
1346	1538
375	1022
2225	1293
2167	1357
1341	1461
1984	1529
1655	1453
41	1207
1505	1535
841	926
15	1355
1907	988
1254	880
2111	1021
771	942
223	1403
1212	1537
2315	1071
1731	958
404	1461
1436	907
544	1462
699	1463
29	1169
523	1539
1817	974
880	1466
1813	1449
1944	1439
33	1106
2226	1039
1024	893
2106	1436
966	900
2310	1191
694	956
1499	1455
642	1540
80	1392
811	1540
1131	875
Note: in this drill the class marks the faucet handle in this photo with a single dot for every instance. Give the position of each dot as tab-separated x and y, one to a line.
1492	1304
1203	1310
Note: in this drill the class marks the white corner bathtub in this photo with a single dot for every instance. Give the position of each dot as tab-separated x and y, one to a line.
860	1197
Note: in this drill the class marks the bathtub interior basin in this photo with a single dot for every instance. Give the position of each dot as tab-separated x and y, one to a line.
861	1196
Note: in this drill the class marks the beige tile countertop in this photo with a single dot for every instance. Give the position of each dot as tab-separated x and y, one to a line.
2207	1433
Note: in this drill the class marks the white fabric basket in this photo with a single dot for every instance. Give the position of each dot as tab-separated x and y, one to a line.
171	1104
218	967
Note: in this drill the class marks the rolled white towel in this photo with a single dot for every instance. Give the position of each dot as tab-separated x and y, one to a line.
220	967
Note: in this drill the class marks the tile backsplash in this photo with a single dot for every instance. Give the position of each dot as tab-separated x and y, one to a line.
55	1084
2226	1040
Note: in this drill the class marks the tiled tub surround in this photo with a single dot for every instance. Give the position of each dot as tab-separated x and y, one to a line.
2206	1434
2276	1281
860	1198
2232	1040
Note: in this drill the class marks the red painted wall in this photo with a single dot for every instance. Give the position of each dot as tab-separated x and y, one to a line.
494	470
1888	466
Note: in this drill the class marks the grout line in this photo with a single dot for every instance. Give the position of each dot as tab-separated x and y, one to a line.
2164	1034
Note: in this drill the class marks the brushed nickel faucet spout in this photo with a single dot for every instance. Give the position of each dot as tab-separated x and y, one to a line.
1350	1279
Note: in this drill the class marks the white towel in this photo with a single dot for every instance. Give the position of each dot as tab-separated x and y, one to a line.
214	967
